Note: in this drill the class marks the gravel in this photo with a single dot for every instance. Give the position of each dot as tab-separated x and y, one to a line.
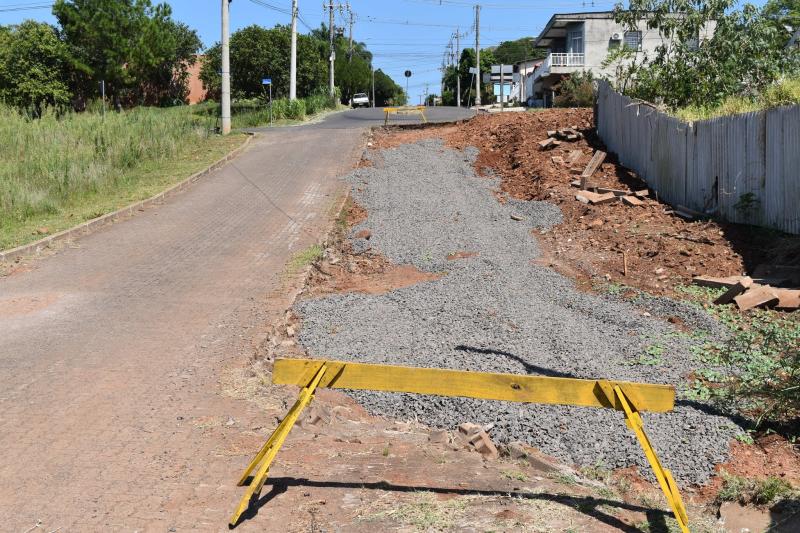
498	311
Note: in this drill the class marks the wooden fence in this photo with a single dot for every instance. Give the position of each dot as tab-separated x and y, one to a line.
741	168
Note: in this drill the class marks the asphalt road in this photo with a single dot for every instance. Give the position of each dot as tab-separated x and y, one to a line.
114	350
365	118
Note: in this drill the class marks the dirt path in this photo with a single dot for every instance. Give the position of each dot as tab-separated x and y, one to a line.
112	415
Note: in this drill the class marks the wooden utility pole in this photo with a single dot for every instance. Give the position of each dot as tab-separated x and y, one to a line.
350	46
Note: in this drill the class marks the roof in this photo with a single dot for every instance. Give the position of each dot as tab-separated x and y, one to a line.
556	26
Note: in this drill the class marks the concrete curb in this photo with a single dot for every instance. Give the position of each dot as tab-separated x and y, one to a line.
37	247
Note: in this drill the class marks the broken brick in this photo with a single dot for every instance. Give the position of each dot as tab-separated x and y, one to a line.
632	201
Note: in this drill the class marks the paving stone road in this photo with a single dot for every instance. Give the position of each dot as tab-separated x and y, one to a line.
112	350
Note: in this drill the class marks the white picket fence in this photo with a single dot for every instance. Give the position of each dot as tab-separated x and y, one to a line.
741	168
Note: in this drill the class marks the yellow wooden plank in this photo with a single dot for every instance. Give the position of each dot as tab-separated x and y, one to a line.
483	385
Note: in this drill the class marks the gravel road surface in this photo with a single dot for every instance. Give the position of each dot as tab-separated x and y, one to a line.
498	311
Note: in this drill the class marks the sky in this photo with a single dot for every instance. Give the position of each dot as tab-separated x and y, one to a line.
401	34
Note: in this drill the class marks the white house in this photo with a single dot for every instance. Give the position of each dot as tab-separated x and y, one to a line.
579	42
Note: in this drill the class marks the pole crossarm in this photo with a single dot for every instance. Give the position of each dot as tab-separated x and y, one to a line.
309	374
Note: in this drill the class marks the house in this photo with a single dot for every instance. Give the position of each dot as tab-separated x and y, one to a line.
578	42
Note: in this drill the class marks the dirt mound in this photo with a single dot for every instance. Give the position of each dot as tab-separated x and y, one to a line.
661	249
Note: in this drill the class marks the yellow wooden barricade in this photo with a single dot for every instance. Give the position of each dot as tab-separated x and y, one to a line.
630	398
404	110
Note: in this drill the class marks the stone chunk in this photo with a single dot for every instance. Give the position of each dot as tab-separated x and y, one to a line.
632	201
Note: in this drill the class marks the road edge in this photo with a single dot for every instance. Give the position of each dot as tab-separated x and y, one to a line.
35	248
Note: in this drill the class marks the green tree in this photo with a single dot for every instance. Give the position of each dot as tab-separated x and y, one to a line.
785	12
258	52
745	54
132	45
467	80
512	52
387	92
34	66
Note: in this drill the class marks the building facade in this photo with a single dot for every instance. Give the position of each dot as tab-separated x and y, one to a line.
579	42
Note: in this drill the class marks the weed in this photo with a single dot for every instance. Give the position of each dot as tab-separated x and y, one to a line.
757	371
564	479
514	475
306	257
702	294
606	493
426	512
385	452
759	492
597	472
651	356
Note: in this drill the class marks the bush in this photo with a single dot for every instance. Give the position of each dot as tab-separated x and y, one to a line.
576	91
784	92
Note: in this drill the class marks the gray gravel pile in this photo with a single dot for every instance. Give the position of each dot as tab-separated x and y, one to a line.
499	312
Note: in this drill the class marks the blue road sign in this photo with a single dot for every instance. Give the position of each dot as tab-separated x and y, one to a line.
266	81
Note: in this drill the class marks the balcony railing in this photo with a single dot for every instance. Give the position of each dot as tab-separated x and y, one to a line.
560	59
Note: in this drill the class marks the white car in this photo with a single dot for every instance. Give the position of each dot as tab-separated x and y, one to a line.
359	100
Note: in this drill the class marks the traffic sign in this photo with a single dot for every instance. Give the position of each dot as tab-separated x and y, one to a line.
266	81
473	70
407	74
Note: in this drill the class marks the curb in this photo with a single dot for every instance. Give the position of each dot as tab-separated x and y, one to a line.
37	247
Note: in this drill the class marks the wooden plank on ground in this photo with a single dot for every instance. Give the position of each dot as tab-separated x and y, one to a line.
744	283
716	283
757	296
574	156
481	385
788	299
547	143
594	163
632	201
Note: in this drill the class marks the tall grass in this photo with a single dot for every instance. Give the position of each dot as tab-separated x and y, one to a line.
785	92
256	112
49	163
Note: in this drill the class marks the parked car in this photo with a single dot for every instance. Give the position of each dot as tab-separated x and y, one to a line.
359	100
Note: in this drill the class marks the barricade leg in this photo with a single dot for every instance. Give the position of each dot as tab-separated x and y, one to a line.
634	421
268	452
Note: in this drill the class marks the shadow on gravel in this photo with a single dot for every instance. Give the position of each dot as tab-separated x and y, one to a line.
529	368
585	504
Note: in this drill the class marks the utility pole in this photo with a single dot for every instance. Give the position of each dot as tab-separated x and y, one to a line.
372	69
331	90
458	68
477	55
350	46
293	60
226	69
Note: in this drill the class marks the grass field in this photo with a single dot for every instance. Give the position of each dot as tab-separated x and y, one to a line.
57	172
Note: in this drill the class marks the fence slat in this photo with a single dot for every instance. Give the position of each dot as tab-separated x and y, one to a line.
742	168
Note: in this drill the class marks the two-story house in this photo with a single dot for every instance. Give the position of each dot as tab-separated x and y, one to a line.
582	41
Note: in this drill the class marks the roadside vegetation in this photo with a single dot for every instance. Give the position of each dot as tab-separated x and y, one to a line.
254	112
754	373
744	64
61	170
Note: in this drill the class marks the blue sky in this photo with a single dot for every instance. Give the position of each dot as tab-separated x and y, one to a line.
402	34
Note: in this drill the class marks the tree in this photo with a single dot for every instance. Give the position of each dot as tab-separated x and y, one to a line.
387	92
258	52
513	52
34	66
131	45
745	54
467	80
786	13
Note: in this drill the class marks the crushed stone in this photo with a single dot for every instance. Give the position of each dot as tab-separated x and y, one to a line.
497	311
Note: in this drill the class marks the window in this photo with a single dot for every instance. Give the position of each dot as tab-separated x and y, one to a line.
575	42
633	40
